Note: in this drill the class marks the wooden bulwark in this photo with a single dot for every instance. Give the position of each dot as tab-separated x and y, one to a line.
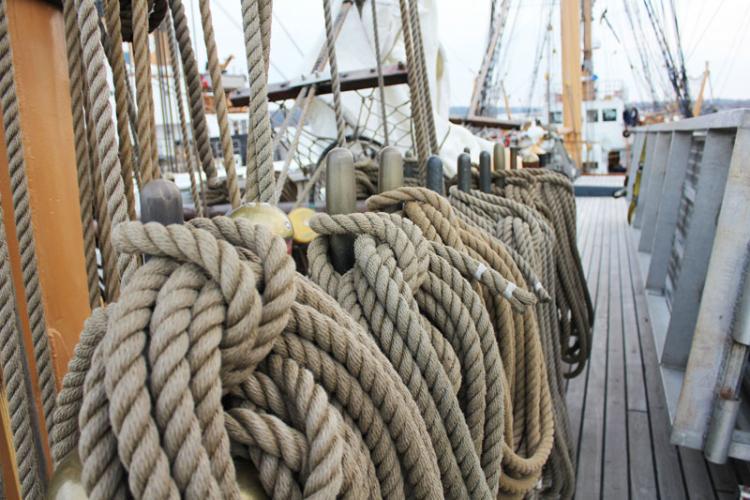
617	406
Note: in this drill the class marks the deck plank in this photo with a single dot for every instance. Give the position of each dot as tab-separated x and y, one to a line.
697	480
642	470
668	468
616	465
591	257
591	448
617	407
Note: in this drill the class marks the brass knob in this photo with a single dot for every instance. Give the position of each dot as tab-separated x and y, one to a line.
66	481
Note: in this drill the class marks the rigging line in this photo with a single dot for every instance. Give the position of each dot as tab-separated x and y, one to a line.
739	38
288	34
539	54
703	33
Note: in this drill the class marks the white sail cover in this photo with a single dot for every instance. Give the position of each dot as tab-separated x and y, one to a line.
355	50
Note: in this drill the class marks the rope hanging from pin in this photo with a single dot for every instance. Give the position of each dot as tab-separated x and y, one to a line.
32	292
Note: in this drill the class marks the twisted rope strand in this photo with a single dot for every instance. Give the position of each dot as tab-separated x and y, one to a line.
22	216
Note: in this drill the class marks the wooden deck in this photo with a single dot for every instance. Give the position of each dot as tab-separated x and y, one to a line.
617	408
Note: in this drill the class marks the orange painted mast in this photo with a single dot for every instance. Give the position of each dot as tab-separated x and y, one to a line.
39	58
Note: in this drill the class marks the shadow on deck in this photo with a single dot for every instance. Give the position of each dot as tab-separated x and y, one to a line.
617	406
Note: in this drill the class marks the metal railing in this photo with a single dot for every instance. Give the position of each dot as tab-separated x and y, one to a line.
692	224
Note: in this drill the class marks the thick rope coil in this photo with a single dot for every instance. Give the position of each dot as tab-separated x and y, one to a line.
260	180
22	216
218	310
15	382
414	301
529	424
522	228
551	194
220	101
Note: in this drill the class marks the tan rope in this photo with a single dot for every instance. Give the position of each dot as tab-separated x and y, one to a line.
83	167
187	144
335	82
523	228
119	77
98	94
20	403
217	310
551	194
529	422
425	92
415	92
379	66
22	216
195	92
220	102
442	293
260	180
148	157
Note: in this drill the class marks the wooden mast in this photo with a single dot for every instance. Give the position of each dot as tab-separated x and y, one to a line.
572	91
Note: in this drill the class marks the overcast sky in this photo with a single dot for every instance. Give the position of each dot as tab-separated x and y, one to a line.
712	30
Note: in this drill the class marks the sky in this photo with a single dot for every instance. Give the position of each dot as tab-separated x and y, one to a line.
711	30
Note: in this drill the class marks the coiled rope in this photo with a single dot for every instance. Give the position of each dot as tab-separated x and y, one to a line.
529	423
527	233
218	310
551	194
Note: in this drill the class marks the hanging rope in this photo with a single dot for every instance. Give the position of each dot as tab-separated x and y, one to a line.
335	82
424	83
83	167
260	180
20	404
98	95
119	77
187	144
529	422
396	275
195	93
415	94
524	230
148	157
22	216
379	66
551	194
220	103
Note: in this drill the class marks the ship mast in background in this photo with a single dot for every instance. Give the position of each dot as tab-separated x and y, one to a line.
572	90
